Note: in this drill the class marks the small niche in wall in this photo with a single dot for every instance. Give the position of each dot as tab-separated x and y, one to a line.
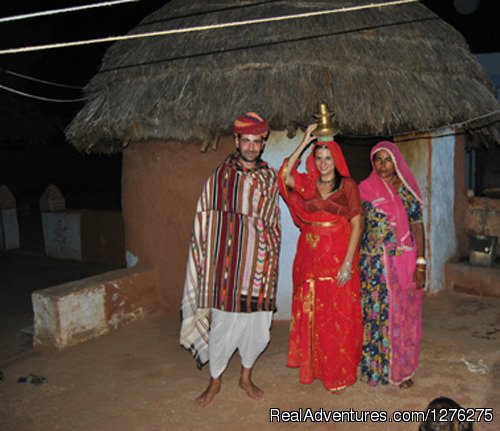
482	167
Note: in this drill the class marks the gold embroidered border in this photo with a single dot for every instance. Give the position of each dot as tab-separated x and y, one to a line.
311	320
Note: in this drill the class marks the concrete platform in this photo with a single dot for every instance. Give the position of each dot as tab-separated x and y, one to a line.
476	280
67	314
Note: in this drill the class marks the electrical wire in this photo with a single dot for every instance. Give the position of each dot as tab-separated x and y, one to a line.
43	81
64	10
201	28
45	99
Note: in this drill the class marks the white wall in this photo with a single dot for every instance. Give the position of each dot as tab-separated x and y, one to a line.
9	229
417	153
278	147
442	233
433	166
61	234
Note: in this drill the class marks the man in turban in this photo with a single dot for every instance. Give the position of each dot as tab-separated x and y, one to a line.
232	270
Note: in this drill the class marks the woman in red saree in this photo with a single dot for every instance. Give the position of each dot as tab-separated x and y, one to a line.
326	331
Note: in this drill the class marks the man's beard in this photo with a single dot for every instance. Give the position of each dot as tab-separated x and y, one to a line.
246	159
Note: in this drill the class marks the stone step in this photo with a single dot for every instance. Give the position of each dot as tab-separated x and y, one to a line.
474	280
69	313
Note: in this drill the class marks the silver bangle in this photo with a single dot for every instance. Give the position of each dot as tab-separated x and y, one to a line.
421	261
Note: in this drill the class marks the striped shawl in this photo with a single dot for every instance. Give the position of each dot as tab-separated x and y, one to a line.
234	251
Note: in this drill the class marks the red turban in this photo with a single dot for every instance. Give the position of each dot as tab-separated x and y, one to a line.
251	124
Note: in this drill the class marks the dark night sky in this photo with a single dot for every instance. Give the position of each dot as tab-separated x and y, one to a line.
76	63
480	28
75	66
87	181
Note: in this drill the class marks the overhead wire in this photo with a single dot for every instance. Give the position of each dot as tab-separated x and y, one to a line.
64	10
45	99
160	33
43	81
201	28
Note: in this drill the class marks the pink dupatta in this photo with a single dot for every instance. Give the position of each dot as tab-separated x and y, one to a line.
405	300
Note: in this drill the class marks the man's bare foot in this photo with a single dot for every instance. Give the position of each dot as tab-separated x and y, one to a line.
252	391
210	392
247	385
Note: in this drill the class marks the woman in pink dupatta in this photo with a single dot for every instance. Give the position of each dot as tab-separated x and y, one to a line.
392	269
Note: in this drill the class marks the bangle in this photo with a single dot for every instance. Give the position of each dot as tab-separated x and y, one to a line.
421	261
421	269
347	263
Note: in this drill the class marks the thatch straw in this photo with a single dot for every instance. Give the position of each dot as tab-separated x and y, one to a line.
383	71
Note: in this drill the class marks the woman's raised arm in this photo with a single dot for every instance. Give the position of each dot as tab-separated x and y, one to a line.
306	140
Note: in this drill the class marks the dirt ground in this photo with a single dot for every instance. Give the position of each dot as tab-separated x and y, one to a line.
139	378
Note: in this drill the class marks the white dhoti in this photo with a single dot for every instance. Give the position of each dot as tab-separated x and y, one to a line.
247	332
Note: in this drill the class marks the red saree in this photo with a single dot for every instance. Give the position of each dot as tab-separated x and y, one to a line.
325	338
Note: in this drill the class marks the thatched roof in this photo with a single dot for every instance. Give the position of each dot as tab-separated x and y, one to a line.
383	71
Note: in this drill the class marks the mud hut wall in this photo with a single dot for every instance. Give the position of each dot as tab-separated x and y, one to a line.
101	233
432	160
473	214
417	151
461	201
161	182
482	217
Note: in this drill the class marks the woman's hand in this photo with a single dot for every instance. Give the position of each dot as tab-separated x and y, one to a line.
344	274
308	135
306	140
419	276
345	271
